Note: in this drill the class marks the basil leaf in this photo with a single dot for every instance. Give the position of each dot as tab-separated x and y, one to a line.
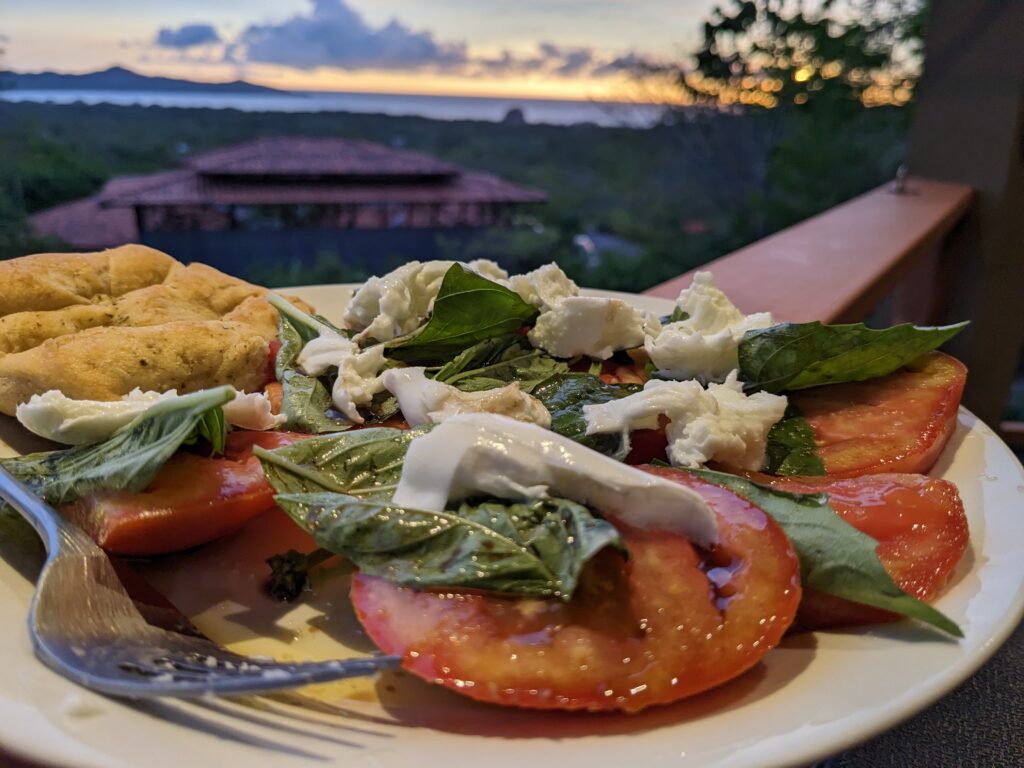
305	400
800	355
365	463
790	448
835	557
127	461
289	573
564	396
677	315
496	362
468	308
536	549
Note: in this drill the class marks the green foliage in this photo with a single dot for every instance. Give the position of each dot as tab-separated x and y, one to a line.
801	355
339	489
564	396
832	55
129	459
468	309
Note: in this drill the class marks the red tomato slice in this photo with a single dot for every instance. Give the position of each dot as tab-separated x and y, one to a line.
896	423
192	500
668	623
920	526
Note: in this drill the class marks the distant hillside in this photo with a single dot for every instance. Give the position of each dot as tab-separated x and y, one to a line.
121	79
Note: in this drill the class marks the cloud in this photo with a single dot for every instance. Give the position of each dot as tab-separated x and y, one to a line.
187	36
335	35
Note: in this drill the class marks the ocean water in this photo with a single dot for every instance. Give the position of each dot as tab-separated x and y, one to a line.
435	107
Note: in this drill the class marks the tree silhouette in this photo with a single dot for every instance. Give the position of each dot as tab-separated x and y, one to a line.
840	55
771	108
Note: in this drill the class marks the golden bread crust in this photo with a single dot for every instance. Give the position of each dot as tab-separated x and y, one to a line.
56	280
106	363
97	325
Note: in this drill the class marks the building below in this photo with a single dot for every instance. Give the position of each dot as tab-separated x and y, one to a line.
286	199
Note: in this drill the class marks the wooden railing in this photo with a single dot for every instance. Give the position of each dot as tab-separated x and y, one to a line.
882	248
840	265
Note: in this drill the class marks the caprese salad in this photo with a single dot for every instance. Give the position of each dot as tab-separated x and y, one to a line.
552	500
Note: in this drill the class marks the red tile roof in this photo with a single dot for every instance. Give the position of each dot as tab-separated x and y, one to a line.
84	224
280	171
318	158
186	188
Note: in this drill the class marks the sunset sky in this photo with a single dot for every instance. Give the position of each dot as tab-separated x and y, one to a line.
578	49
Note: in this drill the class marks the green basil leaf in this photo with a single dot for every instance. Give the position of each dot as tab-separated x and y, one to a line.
536	549
289	573
835	557
790	448
800	355
365	463
468	308
305	400
496	362
128	460
565	395
677	315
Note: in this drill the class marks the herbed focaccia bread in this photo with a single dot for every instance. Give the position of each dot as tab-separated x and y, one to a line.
97	325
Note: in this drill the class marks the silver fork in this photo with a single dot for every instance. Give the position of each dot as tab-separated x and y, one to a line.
84	625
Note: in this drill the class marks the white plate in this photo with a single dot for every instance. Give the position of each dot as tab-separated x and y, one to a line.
812	697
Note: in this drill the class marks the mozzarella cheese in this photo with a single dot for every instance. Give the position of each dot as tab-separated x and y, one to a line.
57	417
706	344
719	423
321	354
398	303
359	379
359	371
425	401
544	287
252	410
485	454
588	325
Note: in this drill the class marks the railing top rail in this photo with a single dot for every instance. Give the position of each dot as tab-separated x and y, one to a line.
838	265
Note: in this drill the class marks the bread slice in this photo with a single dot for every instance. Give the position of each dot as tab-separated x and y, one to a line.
97	325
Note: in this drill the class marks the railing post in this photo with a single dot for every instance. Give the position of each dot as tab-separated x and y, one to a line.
968	127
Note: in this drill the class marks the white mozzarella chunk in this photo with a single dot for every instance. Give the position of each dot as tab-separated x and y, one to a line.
252	410
588	325
359	379
57	417
705	345
719	424
321	354
473	454
399	302
544	287
425	401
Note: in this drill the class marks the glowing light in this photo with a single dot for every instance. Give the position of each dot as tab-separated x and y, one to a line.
832	69
803	74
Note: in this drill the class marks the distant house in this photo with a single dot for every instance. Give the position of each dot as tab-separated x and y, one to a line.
281	199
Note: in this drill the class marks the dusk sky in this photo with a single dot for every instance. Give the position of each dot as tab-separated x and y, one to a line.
542	48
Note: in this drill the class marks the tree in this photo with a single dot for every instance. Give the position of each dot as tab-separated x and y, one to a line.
840	55
773	104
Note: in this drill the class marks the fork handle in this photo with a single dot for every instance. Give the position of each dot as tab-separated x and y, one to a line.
54	530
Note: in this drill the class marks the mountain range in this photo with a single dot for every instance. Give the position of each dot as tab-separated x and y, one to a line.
121	79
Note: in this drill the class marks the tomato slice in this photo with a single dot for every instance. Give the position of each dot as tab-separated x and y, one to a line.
668	623
895	423
192	500
920	526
